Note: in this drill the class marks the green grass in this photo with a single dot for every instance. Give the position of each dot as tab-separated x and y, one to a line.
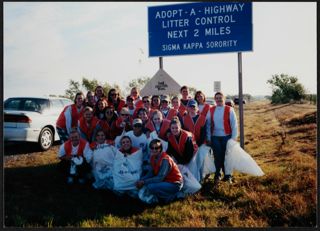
35	194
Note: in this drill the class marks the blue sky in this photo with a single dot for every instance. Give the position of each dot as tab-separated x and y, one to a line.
48	43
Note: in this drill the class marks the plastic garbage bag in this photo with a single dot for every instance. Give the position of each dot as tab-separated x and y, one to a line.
127	170
147	197
202	163
208	165
102	166
190	183
238	159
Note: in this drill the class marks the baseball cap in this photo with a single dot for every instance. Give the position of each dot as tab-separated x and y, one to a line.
137	121
124	110
165	98
192	102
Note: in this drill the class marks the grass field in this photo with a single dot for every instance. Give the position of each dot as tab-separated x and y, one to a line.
282	140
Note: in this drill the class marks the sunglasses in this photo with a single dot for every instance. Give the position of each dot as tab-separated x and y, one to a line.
155	148
138	125
125	114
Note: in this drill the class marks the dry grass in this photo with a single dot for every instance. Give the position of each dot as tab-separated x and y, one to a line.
282	139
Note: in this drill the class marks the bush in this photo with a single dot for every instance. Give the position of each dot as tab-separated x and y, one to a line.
286	89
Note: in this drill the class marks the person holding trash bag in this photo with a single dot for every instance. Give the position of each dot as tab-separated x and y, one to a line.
164	179
73	164
221	126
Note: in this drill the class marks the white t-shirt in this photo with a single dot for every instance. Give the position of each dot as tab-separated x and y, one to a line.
137	141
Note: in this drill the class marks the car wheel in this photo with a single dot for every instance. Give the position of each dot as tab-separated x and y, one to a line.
45	139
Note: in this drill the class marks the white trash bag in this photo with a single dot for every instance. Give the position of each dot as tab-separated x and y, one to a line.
102	166
127	170
238	159
190	183
202	163
208	165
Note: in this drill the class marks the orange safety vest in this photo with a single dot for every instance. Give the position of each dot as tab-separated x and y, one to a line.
68	147
226	119
174	174
205	109
182	110
195	128
171	113
165	124
109	130
61	121
180	146
88	130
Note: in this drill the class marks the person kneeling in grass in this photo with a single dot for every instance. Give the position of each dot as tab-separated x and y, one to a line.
164	179
73	164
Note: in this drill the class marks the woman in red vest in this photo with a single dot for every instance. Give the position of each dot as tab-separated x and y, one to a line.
195	122
124	122
108	124
175	101
221	126
115	100
100	108
99	93
73	164
88	125
155	102
164	179
165	108
181	143
69	116
135	94
159	125
201	100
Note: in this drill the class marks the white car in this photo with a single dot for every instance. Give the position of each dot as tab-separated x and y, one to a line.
33	119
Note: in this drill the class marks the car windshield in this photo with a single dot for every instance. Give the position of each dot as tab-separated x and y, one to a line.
26	104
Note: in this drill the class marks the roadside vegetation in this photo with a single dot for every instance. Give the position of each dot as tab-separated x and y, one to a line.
281	138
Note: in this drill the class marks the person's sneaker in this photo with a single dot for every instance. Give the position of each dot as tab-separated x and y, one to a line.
228	178
70	180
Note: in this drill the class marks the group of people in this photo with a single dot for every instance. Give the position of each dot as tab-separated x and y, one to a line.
141	143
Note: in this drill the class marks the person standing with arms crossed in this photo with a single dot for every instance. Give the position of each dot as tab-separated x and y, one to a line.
221	126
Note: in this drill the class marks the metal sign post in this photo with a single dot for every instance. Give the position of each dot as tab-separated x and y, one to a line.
240	100
160	63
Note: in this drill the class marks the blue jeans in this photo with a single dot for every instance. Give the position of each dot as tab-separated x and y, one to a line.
165	191
219	145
